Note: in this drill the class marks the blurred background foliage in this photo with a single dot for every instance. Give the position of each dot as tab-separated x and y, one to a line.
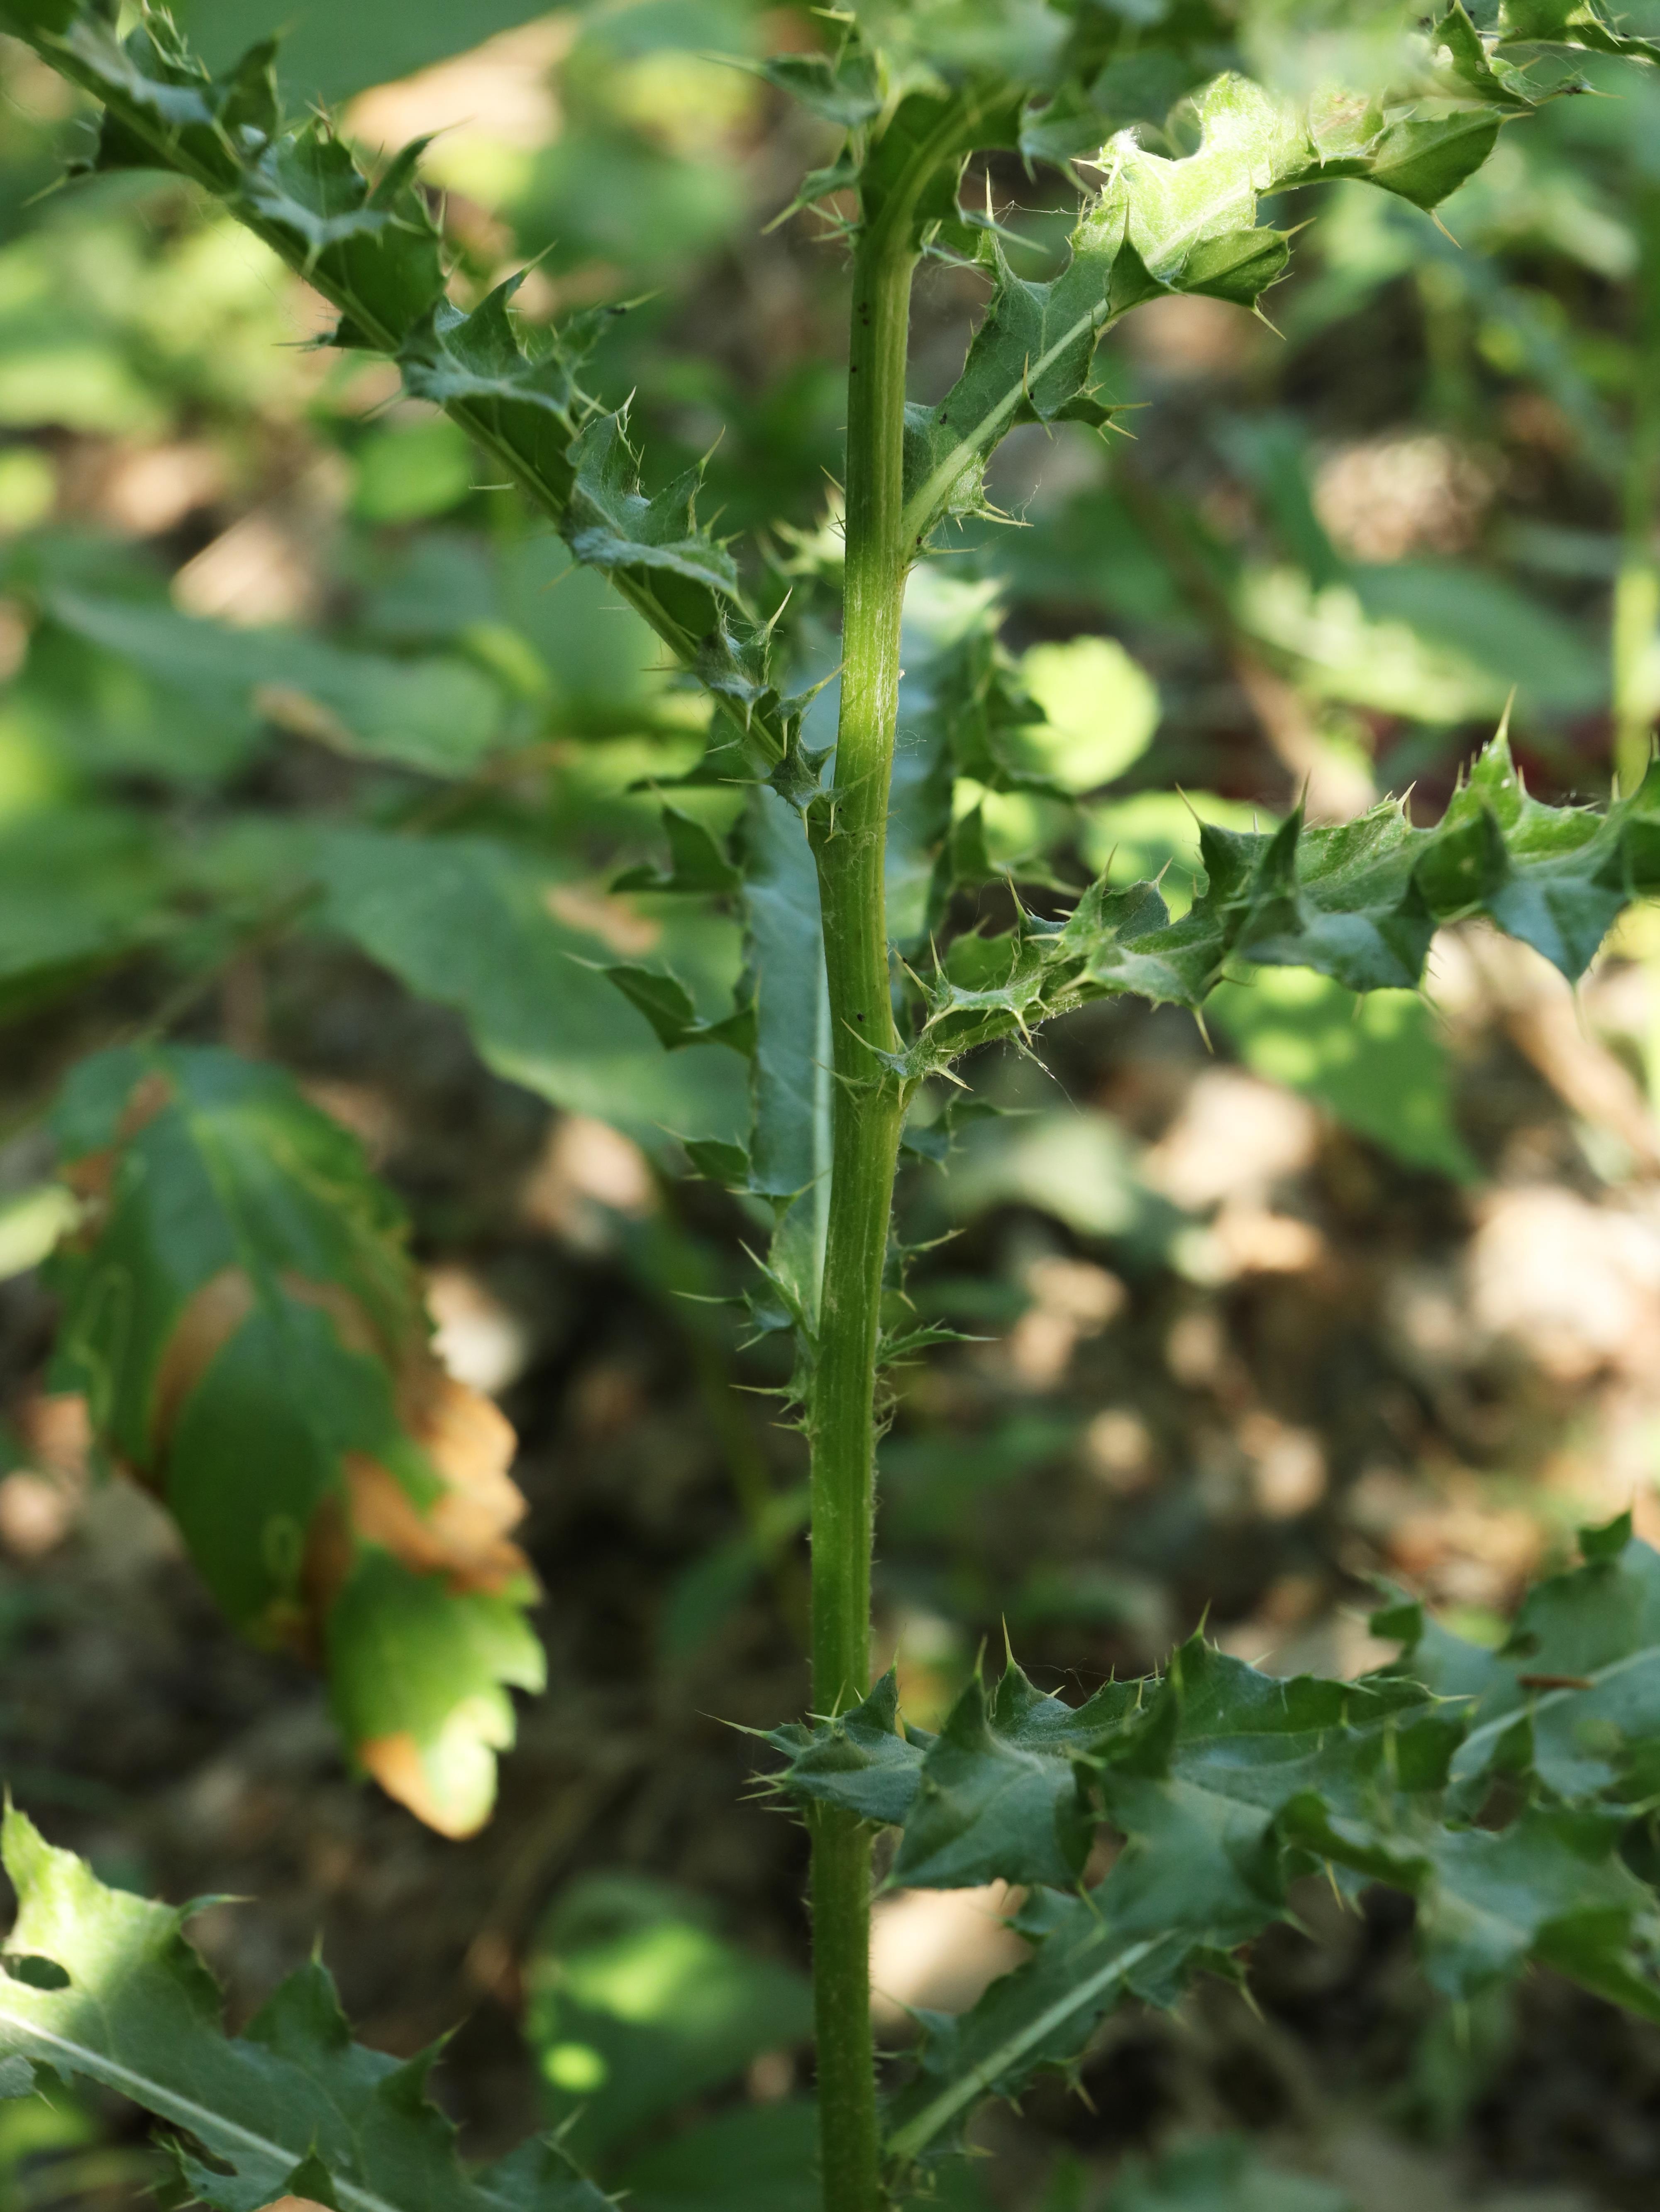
300	708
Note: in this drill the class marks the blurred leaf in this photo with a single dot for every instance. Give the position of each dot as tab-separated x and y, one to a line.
605	195
707	1592
636	2005
697	863
1221	2173
410	473
761	2158
439	715
482	928
329	53
1555	668
79	888
1438	644
928	1482
290	2104
1075	1166
1378	1063
1100	711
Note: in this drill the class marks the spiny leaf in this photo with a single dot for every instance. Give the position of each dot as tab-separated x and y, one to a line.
996	1785
1041	2016
529	405
242	1313
998	1796
1359	902
843	88
1157	227
862	1761
290	2102
1572	1697
668	1005
371	248
790	1074
1571	23
612	524
697	862
1225	1784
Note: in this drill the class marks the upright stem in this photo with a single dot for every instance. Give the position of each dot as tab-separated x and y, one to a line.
848	840
1637	587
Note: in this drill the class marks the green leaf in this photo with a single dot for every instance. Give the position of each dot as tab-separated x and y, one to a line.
401	1647
1199	1790
1574	1692
791	1075
1196	1777
528	403
372	249
860	1761
1439	642
80	889
668	1005
1224	1785
1575	24
410	473
1160	226
843	88
1040	2017
329	53
139	2014
697	862
759	2158
1219	2174
477	925
437	714
997	1796
238	1301
638	2004
31	1223
1359	902
715	1161
1378	1064
939	611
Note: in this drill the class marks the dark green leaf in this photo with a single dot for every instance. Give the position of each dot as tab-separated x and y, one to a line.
140	2014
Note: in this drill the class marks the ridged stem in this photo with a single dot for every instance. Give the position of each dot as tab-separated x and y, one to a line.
848	840
1637	587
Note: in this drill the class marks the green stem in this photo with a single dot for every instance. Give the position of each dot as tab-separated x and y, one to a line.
1637	587
848	840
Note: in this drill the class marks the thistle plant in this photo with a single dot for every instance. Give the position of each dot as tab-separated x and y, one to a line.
236	1274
